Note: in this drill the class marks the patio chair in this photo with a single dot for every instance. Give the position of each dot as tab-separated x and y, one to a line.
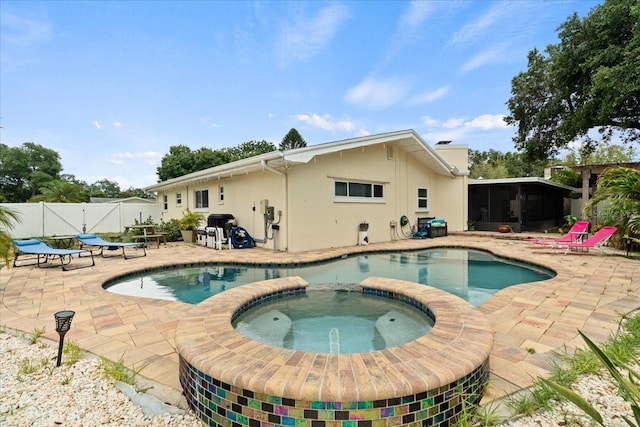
97	243
578	230
42	253
597	241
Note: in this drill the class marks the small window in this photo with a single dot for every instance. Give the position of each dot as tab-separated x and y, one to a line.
165	202
423	199
178	199
221	195
202	199
365	191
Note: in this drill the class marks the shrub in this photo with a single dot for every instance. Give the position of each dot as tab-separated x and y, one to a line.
172	229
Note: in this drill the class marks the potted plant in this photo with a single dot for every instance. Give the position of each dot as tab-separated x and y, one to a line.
188	223
504	228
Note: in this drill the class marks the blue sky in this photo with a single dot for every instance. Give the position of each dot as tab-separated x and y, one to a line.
111	85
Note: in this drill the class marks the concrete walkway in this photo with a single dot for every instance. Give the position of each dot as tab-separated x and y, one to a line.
590	292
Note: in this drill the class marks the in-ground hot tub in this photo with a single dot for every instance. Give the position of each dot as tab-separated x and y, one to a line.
229	378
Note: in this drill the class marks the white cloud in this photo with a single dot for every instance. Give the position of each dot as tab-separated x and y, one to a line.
430	121
326	122
487	56
377	94
487	122
481	129
24	32
416	14
428	97
453	123
146	157
117	124
455	135
97	124
484	24
270	115
301	39
209	122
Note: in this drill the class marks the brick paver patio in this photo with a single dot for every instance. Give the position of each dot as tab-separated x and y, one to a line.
531	321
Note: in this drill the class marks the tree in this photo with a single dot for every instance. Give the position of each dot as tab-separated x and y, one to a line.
181	160
292	140
495	164
567	177
24	169
620	188
104	188
249	149
57	191
7	217
589	80
604	154
134	192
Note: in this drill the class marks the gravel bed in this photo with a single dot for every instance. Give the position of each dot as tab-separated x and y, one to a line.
69	395
81	395
598	390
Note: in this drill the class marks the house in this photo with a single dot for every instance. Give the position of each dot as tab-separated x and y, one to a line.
317	196
524	204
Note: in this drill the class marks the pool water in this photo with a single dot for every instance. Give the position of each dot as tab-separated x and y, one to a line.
467	273
334	322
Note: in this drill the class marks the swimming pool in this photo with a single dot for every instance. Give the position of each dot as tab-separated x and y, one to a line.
470	274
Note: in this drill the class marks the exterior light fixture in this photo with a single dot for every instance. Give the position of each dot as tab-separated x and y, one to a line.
63	324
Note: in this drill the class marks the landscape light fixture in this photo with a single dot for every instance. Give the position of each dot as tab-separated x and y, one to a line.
63	324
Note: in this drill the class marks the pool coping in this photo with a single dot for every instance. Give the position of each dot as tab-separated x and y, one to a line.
459	342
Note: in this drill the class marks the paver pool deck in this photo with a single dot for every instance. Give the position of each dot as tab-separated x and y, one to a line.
531	321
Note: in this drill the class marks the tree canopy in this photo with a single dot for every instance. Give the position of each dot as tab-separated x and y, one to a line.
249	149
588	80
292	140
181	160
24	169
32	173
495	164
604	154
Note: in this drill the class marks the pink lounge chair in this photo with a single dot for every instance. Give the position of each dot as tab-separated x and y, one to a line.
579	228
597	241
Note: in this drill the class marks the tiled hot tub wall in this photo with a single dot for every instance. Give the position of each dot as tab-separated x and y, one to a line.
220	386
217	403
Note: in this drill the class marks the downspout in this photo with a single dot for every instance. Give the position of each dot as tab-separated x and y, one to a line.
271	169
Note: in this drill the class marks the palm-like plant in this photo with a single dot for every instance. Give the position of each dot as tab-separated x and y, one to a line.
628	385
620	188
7	216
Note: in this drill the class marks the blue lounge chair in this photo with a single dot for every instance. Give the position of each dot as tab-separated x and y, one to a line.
42	253
98	243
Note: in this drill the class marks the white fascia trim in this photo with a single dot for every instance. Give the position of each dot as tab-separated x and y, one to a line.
238	167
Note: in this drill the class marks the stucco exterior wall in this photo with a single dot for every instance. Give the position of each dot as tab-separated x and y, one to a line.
451	202
242	196
318	220
455	154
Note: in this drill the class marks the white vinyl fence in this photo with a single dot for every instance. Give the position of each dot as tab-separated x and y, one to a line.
61	219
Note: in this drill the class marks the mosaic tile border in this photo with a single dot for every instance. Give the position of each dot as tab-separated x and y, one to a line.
220	404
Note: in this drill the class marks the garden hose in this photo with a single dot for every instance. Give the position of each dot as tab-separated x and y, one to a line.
404	221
